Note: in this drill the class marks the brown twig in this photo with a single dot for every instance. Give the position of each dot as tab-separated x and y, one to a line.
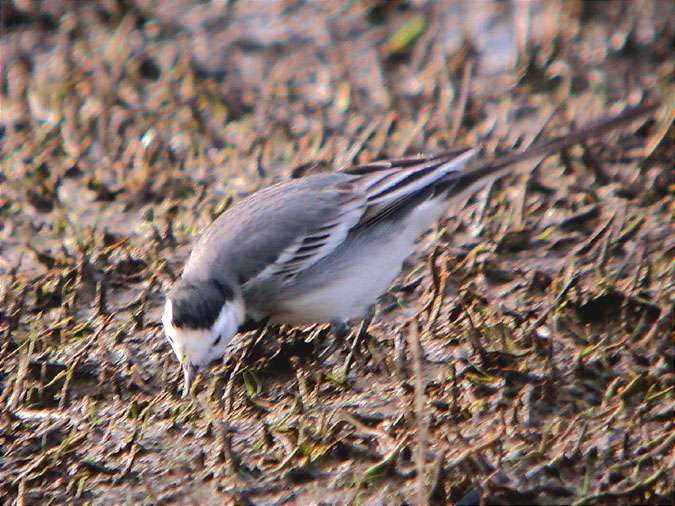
420	415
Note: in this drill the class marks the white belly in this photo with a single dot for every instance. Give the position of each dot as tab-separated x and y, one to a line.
365	275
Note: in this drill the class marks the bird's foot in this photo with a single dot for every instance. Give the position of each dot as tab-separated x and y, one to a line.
359	337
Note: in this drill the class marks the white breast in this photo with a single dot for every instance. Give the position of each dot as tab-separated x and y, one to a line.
368	271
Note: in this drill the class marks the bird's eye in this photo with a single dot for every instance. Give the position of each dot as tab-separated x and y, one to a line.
215	343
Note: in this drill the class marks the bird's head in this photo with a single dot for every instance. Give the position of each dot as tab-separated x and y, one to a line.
200	318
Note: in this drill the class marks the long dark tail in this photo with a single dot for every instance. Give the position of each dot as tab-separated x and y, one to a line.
458	183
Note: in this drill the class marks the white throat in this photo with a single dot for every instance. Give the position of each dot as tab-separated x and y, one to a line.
198	347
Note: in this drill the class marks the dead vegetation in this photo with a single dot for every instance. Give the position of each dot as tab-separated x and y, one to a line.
543	310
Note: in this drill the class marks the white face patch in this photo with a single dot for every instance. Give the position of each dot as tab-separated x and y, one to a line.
199	347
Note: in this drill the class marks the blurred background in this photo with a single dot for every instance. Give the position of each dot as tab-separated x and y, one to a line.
126	126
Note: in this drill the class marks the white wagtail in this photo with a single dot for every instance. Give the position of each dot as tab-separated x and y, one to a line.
324	247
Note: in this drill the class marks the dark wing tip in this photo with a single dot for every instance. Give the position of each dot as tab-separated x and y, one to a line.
405	162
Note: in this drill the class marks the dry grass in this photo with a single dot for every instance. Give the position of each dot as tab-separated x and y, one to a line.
544	309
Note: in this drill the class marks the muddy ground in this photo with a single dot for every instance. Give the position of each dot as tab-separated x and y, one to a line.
543	307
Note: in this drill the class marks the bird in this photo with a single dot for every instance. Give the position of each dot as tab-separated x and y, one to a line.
324	247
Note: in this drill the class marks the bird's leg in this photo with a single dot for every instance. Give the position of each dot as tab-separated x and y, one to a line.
362	332
340	330
262	327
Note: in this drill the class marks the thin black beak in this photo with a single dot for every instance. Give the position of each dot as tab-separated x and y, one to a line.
189	373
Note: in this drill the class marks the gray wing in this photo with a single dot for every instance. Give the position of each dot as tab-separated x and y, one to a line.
281	231
254	233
